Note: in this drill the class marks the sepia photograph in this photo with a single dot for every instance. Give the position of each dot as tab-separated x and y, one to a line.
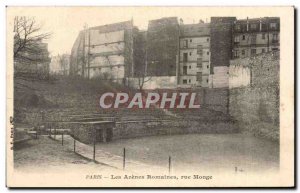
150	96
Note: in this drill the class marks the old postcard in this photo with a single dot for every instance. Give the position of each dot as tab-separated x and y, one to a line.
150	97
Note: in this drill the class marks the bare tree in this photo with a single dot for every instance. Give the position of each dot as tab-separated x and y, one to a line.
63	62
142	76
27	38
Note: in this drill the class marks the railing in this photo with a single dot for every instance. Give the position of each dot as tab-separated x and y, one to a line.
94	153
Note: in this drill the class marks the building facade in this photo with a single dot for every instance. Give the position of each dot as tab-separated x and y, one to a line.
187	55
162	46
221	50
104	52
194	55
255	36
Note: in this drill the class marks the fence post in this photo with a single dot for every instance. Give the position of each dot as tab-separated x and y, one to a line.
62	138
169	165
124	157
94	153
74	144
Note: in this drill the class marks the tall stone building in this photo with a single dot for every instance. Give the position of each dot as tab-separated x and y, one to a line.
194	55
162	46
221	50
170	53
104	52
255	36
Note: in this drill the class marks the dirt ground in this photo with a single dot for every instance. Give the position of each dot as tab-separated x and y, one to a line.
193	152
201	152
45	154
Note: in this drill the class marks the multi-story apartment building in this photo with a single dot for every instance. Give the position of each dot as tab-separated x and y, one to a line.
186	55
255	36
194	55
104	51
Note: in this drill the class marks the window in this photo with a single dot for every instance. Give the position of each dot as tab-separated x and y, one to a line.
237	27
199	62
190	67
184	70
207	66
190	40
207	80
236	54
273	26
253	26
263	27
263	50
236	39
185	57
253	39
189	80
199	76
207	39
253	52
199	50
243	37
207	53
243	52
275	36
190	53
184	44
263	36
184	81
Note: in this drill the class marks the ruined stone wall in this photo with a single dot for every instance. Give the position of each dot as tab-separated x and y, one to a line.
133	129
256	107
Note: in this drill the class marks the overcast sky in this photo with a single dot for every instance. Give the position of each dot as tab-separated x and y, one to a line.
66	22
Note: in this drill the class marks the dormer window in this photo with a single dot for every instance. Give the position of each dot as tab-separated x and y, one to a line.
253	26
273	25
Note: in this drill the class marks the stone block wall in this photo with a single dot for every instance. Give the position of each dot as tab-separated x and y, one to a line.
133	129
256	106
